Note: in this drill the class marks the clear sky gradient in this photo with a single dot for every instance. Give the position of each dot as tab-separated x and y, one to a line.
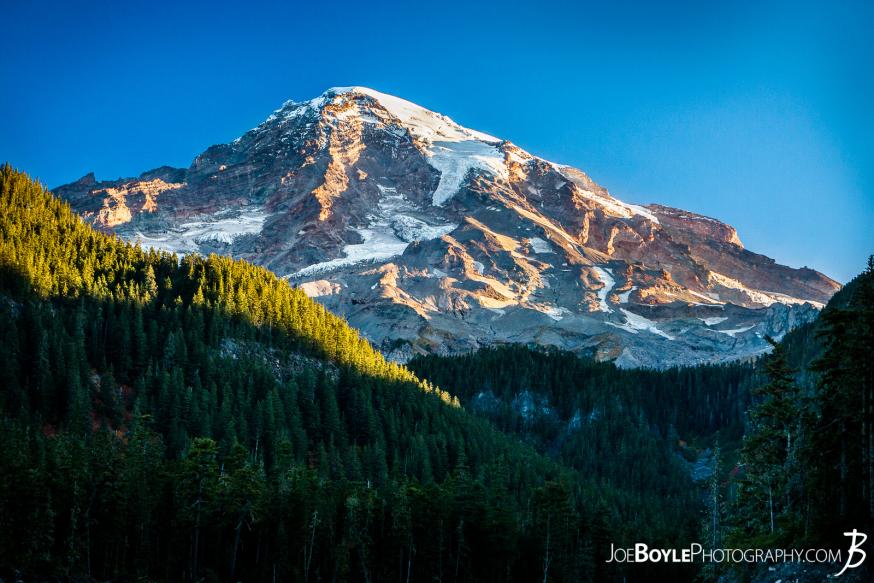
757	113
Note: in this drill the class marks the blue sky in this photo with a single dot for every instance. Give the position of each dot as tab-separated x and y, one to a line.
757	113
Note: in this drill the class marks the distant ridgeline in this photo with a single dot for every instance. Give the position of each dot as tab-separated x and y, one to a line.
202	420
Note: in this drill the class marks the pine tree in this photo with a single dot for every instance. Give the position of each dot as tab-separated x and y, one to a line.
769	447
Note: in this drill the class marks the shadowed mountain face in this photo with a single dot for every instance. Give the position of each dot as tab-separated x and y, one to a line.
430	237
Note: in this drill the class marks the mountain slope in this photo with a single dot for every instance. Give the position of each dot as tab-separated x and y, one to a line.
430	237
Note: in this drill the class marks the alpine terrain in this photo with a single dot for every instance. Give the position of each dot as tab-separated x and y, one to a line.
433	238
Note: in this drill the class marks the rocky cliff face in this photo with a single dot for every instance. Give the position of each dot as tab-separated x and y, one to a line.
431	237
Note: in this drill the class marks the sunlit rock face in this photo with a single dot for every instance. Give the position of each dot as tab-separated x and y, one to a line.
431	237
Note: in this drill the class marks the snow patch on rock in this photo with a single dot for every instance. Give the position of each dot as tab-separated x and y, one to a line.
554	312
635	323
623	297
733	333
765	298
390	230
376	246
607	279
642	211
539	245
455	160
619	208
223	227
411	229
452	149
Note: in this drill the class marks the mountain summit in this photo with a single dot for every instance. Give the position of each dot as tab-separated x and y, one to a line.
432	237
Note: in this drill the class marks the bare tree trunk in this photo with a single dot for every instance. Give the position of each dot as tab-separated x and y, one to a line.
410	559
363	560
236	545
458	550
546	556
308	554
440	554
401	564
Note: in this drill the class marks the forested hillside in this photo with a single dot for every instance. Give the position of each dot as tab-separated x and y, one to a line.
200	419
785	446
808	455
638	431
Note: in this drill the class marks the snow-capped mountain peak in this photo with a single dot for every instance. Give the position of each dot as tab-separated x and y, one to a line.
424	123
429	236
452	149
